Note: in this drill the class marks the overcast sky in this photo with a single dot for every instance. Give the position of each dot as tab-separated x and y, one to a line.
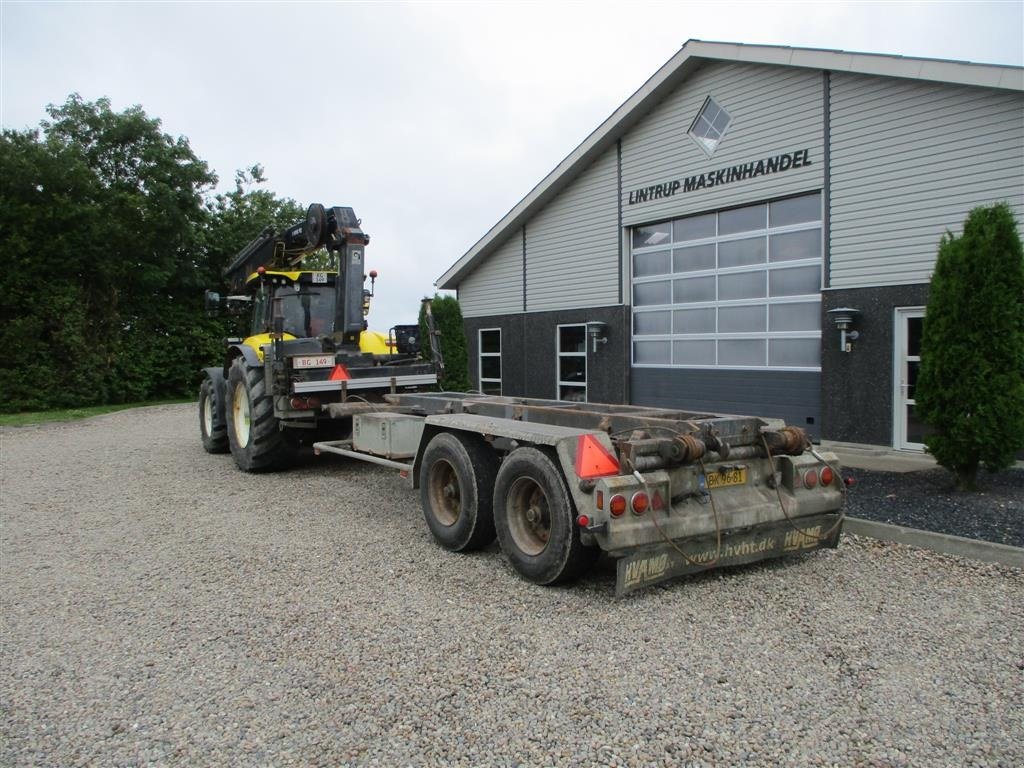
432	120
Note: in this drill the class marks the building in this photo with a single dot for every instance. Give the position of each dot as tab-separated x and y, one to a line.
696	249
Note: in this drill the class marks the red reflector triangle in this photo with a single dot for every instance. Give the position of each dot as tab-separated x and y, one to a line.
593	459
339	374
658	502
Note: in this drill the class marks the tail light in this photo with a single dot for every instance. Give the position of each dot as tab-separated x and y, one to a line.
810	478
640	502
583	521
827	476
617	505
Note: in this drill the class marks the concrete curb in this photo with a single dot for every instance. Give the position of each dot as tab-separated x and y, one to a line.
938	542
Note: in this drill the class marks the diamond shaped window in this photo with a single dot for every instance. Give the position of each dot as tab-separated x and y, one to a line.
710	125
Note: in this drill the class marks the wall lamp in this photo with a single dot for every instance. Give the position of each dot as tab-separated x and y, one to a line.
598	332
844	317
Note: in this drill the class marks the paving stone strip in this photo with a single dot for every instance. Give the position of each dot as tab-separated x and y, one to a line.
158	607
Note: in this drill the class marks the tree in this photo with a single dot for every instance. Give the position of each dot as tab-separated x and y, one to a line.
448	320
971	384
237	217
99	212
109	236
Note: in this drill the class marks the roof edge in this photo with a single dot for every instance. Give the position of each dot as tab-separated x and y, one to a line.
1001	76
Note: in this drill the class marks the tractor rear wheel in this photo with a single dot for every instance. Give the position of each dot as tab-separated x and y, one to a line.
212	426
254	434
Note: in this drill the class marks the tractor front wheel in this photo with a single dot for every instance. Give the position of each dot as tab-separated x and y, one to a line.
254	434
212	428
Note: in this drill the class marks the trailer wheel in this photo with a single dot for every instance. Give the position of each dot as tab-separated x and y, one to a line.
212	427
456	486
257	443
536	520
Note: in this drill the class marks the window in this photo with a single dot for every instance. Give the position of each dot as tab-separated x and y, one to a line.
733	289
490	360
709	126
572	362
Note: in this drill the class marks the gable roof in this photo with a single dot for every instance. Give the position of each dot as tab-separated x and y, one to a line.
692	55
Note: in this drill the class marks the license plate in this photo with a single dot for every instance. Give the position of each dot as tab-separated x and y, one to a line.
735	476
320	278
313	361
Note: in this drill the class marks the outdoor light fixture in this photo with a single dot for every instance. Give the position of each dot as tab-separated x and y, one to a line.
843	317
598	332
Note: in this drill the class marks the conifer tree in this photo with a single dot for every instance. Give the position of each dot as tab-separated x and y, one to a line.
448	321
971	384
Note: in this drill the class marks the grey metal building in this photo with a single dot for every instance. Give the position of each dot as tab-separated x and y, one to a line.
688	253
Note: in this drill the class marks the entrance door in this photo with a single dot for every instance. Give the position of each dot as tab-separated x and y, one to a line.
908	430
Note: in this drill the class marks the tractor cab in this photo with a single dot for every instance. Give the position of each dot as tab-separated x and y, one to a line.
305	302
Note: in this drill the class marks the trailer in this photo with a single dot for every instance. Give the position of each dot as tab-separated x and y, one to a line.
663	492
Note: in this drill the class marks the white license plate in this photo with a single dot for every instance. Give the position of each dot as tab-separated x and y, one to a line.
313	361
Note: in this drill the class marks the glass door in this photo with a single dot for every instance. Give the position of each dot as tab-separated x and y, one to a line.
908	429
572	362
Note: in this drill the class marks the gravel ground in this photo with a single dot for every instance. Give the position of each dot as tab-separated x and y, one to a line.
927	500
156	610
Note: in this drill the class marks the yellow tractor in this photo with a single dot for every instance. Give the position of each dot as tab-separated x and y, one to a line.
307	346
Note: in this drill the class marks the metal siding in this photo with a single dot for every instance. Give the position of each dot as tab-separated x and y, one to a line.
792	396
496	285
773	110
572	249
909	161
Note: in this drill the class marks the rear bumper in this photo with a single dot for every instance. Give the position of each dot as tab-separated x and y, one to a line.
369	382
655	563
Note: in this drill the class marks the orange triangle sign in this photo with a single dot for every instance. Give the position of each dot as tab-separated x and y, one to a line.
593	459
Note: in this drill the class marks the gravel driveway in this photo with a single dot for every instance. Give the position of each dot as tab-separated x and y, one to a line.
158	609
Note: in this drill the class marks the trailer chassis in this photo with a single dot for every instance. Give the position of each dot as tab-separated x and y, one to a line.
664	492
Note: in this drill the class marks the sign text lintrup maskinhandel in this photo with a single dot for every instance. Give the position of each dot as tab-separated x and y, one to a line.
717	178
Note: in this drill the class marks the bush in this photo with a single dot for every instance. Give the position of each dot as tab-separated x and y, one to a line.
448	320
971	384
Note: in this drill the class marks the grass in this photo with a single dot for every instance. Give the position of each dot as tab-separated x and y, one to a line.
71	414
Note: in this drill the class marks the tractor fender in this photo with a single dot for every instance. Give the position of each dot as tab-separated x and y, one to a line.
216	375
241	350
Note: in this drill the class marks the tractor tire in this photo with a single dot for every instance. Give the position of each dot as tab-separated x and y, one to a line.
535	519
456	491
256	440
213	428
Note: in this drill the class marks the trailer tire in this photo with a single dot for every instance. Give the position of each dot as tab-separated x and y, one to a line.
535	519
213	428
256	440
456	491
